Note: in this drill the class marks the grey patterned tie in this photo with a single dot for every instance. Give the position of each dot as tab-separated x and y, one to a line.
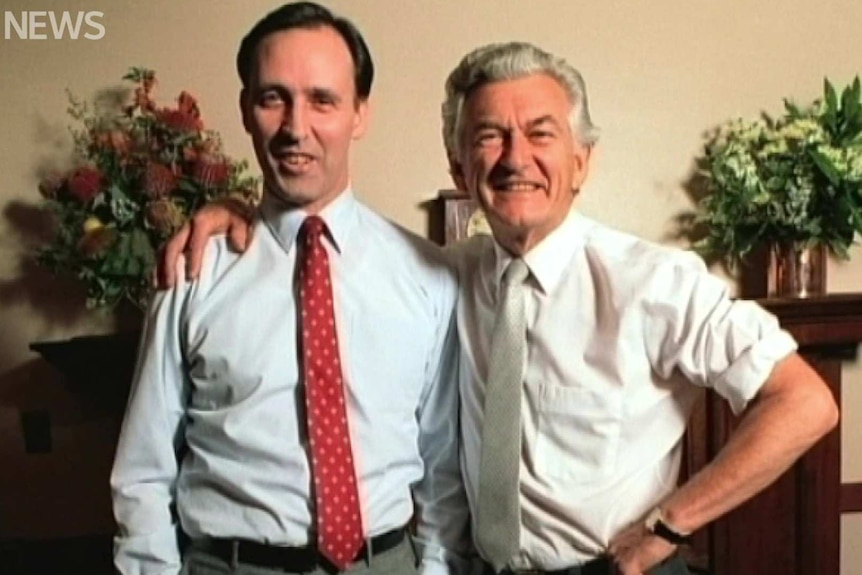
498	516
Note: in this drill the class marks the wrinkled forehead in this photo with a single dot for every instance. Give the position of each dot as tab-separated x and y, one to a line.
522	99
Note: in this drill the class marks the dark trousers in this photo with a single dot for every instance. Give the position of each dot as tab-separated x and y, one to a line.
673	566
602	566
400	560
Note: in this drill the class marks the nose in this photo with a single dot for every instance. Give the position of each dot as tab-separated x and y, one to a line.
294	122
516	151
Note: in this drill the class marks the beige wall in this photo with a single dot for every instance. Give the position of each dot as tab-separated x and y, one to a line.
659	74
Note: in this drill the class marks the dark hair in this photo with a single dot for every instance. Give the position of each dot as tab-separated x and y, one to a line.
308	15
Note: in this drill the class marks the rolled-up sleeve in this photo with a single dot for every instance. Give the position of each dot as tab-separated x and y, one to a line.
715	341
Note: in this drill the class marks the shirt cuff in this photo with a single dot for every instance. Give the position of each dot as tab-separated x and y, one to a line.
435	560
744	378
154	554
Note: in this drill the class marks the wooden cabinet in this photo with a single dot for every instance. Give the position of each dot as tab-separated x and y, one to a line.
793	527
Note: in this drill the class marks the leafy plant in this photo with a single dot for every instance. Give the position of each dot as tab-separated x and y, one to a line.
794	179
141	170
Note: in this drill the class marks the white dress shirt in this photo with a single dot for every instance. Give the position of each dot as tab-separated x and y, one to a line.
622	335
215	425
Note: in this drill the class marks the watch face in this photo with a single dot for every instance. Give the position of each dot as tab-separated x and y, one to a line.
655	524
478	224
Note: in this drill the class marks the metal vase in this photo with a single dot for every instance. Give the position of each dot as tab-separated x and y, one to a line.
797	270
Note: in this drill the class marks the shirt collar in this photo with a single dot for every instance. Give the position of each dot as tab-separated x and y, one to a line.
284	221
549	258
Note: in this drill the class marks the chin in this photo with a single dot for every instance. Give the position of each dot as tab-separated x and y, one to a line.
519	218
289	195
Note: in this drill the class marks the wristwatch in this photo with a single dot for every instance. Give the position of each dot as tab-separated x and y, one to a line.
656	525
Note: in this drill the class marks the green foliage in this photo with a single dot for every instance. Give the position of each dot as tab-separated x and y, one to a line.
141	170
796	178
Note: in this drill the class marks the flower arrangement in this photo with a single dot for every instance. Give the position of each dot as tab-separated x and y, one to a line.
140	171
795	179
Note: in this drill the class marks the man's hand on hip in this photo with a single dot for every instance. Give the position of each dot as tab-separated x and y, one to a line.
635	550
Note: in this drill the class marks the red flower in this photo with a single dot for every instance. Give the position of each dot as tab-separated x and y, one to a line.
211	171
85	184
159	180
185	118
204	147
179	121
187	104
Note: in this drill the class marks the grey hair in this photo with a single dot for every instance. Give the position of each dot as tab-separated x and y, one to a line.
509	61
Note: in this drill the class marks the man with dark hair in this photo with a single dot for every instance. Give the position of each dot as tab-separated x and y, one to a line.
292	408
307	15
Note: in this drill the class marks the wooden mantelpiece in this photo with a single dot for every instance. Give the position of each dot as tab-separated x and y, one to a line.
793	527
824	323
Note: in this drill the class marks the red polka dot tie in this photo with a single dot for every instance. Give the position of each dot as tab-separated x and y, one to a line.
339	526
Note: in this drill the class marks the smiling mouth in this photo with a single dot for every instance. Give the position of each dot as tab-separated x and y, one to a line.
518	186
294	161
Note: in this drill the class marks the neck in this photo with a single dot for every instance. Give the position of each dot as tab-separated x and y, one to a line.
519	244
518	241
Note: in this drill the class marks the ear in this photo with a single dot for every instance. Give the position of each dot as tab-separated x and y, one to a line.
581	170
457	173
361	118
245	109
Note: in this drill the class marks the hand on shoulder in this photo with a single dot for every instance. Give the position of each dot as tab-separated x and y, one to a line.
229	216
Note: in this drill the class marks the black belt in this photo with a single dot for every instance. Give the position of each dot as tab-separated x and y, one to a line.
288	558
599	566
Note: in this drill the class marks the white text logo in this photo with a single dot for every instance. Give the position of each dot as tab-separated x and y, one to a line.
42	25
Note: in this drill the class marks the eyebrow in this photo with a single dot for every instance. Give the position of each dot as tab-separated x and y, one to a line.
531	124
313	93
488	125
546	119
317	93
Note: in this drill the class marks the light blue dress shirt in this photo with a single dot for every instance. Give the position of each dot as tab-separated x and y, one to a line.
214	438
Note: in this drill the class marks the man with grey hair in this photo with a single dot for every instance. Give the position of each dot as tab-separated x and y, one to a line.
583	348
507	61
612	341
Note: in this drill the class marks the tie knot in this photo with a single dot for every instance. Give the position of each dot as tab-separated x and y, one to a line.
312	228
516	272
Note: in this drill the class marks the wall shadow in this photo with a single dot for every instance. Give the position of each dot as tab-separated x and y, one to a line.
751	275
58	299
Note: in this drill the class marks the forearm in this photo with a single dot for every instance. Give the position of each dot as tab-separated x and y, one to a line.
793	409
792	412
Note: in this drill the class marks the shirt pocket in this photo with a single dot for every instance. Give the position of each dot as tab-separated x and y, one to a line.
578	433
